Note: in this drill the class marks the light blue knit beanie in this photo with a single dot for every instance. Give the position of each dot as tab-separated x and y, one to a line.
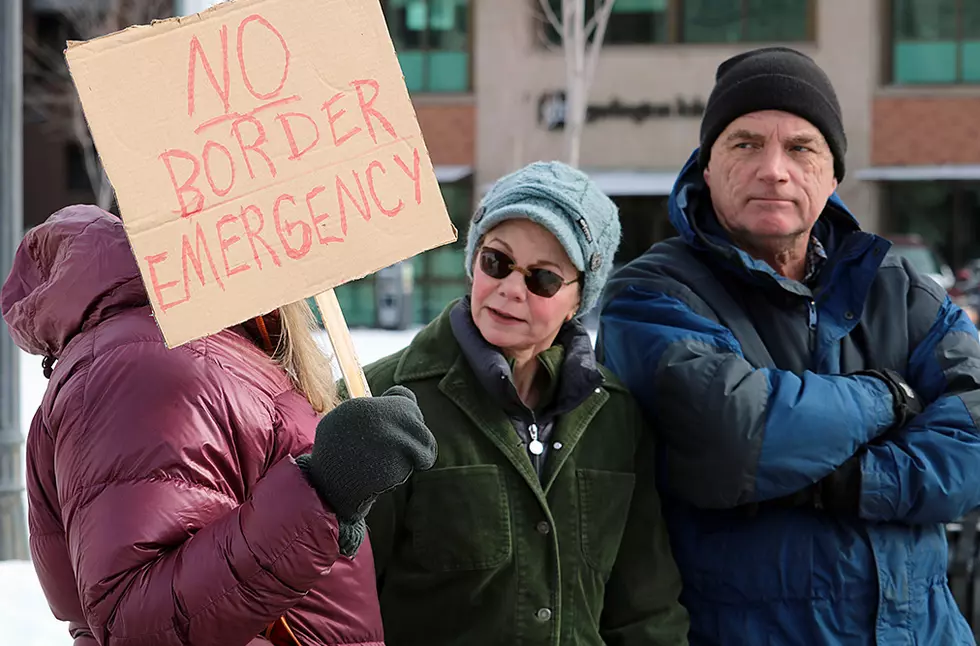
565	202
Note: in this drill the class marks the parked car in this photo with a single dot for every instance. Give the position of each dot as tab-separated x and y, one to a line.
924	258
966	291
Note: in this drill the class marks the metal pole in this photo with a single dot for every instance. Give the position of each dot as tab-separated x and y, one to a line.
13	530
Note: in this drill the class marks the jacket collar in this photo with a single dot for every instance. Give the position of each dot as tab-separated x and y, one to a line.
436	354
577	377
435	349
432	353
487	363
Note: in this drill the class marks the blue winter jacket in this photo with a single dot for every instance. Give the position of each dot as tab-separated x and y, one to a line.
746	376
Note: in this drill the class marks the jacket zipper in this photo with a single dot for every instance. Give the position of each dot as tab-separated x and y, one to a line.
535	446
812	323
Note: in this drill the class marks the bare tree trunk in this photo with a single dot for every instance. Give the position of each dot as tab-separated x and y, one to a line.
106	192
581	61
573	21
600	22
97	177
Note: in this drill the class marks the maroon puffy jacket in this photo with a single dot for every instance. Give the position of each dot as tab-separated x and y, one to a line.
165	507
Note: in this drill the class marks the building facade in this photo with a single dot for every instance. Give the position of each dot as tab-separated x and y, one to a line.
925	148
654	75
434	40
487	76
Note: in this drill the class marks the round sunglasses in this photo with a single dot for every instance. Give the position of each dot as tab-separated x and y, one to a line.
540	282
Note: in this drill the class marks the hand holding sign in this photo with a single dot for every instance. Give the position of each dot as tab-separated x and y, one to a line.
262	152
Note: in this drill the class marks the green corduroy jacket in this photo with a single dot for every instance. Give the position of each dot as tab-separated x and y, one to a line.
480	550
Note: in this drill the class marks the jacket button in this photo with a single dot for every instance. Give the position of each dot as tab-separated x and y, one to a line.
544	614
544	527
849	316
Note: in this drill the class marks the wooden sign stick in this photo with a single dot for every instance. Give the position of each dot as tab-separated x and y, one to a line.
343	346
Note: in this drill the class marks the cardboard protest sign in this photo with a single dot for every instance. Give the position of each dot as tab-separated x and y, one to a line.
262	152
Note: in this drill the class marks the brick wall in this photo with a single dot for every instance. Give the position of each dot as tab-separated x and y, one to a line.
450	132
912	131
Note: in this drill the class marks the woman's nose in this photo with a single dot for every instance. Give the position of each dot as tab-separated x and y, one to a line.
513	286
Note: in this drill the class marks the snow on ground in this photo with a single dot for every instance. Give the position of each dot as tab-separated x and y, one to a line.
372	344
24	613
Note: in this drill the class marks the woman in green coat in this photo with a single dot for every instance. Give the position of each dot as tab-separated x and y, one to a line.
540	521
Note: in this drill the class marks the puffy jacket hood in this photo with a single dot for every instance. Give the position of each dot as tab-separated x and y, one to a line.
69	274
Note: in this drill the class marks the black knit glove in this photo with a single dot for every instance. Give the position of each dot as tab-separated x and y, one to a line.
840	492
364	448
906	402
837	493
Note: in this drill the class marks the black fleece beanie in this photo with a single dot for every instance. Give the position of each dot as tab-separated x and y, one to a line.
773	78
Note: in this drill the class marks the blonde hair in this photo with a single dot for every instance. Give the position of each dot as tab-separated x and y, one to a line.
299	355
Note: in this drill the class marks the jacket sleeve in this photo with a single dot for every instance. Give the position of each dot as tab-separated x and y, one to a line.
168	545
642	606
927	471
733	433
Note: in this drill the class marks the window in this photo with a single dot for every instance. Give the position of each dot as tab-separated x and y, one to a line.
631	21
458	197
52	29
702	21
76	175
432	39
440	274
945	215
739	21
44	44
935	41
637	21
645	220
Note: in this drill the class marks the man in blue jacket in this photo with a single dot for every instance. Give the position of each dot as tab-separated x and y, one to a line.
816	399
